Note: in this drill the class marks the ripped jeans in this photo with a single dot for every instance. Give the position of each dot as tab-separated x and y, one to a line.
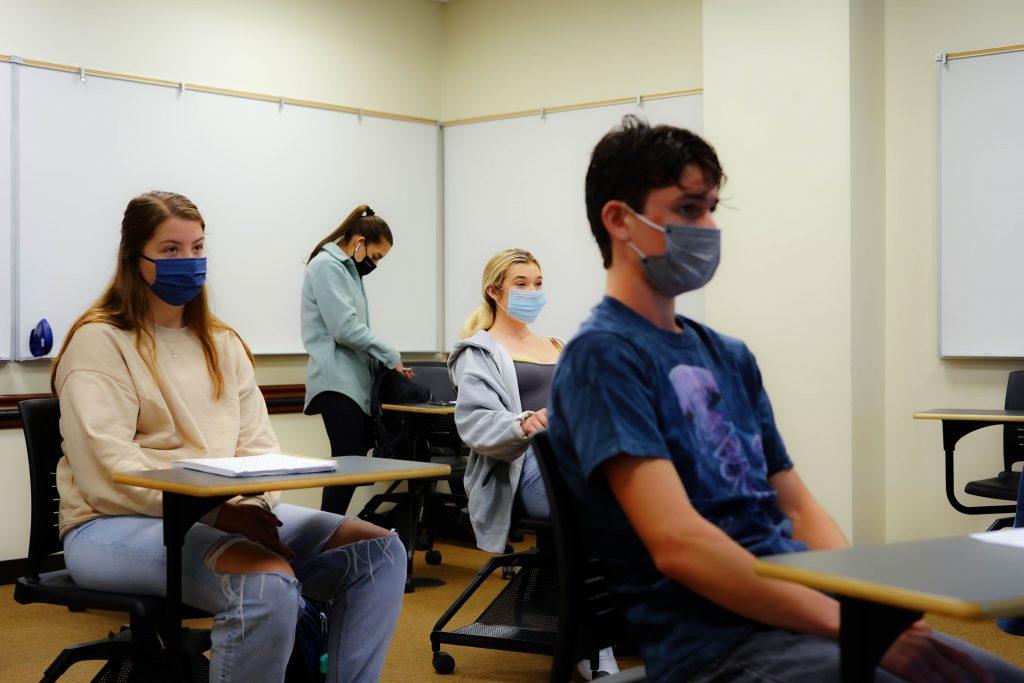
255	614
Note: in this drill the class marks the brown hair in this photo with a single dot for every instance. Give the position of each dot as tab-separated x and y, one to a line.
125	305
362	222
495	271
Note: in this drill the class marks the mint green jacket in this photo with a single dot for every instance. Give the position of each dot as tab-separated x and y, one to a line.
336	330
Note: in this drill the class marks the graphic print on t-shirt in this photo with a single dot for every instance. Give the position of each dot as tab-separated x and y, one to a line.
701	403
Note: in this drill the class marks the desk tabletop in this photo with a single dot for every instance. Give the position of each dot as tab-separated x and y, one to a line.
420	408
971	415
960	576
351	470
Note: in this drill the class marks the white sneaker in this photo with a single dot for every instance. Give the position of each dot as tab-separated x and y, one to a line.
606	665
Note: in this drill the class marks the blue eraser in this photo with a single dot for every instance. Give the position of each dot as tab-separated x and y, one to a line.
40	340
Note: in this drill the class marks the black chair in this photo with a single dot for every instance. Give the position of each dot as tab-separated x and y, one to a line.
135	652
589	616
422	514
1004	485
524	615
557	602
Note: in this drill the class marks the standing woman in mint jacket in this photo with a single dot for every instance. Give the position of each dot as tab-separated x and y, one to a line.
343	350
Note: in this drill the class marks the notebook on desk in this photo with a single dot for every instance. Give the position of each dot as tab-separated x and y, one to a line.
268	464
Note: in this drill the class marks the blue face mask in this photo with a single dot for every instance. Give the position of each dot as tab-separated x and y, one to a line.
690	260
524	305
178	280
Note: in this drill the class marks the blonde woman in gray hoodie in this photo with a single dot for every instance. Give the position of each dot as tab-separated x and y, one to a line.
503	372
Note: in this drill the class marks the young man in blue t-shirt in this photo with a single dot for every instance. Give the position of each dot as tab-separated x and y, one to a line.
666	438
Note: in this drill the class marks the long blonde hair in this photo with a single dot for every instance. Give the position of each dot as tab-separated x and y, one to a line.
494	274
124	304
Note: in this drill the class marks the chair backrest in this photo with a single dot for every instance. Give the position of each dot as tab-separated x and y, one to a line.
40	420
434	375
588	618
1013	435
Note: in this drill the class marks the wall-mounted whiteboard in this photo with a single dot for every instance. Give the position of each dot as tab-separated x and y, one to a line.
270	181
981	206
6	290
519	183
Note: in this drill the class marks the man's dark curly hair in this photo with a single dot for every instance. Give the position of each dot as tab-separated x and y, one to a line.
634	159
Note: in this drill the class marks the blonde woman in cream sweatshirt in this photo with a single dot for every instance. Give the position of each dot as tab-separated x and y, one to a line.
148	375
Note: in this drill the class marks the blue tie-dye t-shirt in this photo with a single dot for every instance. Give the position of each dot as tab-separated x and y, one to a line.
624	386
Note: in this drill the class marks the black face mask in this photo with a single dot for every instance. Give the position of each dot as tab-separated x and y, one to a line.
365	267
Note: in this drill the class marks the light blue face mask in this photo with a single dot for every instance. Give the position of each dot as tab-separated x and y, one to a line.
524	305
690	260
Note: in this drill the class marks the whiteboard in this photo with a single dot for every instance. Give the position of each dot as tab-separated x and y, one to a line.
6	289
270	181
981	206
520	183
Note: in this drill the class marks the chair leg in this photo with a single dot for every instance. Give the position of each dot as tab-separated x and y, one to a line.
113	647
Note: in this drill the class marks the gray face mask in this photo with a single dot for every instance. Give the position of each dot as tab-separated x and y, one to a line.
690	259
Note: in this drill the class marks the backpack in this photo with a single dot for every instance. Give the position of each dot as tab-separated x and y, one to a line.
308	663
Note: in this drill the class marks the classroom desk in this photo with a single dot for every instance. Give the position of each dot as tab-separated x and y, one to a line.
957	423
189	494
420	418
883	589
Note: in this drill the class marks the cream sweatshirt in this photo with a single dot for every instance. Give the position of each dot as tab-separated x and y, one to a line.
117	417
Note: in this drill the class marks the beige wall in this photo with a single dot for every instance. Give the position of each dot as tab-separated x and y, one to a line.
503	56
915	377
375	54
867	263
777	108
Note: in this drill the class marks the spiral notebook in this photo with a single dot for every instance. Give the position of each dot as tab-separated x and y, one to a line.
256	465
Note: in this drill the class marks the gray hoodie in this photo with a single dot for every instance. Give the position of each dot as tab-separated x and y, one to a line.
488	414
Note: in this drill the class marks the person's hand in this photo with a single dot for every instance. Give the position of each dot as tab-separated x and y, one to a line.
256	524
919	657
537	422
400	368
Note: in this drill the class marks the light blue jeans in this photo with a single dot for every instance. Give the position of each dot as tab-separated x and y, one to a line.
532	493
255	614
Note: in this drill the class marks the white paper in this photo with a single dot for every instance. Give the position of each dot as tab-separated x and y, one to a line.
1010	537
256	465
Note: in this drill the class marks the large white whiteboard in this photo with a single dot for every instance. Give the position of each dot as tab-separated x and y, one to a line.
270	181
520	183
981	206
6	290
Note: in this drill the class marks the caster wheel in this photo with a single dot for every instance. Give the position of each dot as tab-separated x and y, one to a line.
433	557
443	663
508	572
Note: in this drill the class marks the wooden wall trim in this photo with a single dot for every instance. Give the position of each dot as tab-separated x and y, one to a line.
280	398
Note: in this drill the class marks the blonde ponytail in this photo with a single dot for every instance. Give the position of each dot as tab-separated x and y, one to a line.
480	319
494	274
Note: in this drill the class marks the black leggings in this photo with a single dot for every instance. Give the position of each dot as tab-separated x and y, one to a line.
350	432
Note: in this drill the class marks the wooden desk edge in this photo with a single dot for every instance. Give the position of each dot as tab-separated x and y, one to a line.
237	487
431	410
968	417
888	595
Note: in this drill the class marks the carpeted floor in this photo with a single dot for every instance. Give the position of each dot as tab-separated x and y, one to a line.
30	636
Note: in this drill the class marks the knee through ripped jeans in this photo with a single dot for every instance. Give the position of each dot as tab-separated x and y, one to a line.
255	614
